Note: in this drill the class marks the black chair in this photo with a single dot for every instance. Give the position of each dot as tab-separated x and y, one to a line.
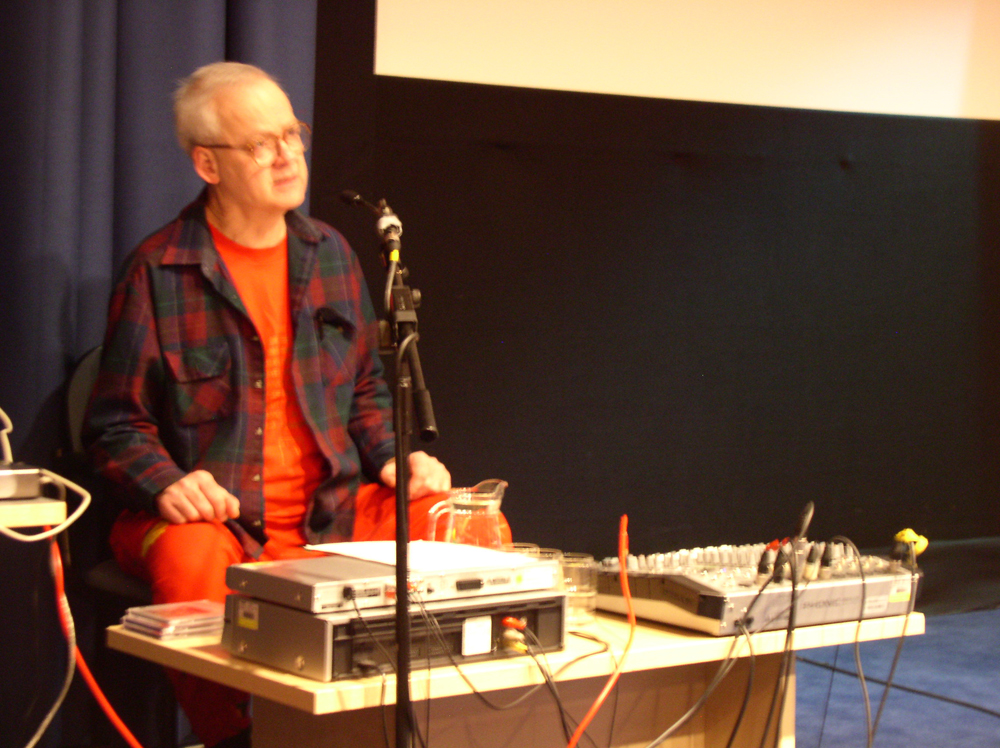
105	575
101	592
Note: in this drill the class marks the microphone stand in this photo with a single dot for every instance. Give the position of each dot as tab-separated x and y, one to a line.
398	333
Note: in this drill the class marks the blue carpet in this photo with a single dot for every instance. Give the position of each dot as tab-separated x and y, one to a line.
957	658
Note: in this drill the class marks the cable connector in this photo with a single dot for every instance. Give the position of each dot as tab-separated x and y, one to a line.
906	546
810	571
513	622
513	640
765	567
909	536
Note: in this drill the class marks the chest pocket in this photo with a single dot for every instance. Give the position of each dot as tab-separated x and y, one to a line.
202	383
336	342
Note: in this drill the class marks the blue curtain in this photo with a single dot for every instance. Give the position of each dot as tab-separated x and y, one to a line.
90	166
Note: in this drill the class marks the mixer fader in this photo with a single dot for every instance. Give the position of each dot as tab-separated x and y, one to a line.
712	589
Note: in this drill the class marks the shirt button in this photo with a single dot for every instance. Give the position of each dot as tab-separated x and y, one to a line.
258	383
259	431
256	523
256	478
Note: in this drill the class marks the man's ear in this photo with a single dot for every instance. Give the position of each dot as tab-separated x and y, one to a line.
205	164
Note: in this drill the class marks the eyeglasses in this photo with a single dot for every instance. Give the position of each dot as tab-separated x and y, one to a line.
264	148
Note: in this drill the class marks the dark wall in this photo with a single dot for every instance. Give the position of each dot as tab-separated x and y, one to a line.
701	315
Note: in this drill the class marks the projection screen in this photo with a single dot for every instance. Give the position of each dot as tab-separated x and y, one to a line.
918	57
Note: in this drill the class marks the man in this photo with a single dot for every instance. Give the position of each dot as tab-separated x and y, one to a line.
240	410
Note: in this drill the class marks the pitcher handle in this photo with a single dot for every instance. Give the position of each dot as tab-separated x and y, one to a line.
432	517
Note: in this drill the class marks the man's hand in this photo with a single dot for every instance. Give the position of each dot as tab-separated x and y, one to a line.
197	498
427	475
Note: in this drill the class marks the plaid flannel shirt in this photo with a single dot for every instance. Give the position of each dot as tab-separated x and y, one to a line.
181	385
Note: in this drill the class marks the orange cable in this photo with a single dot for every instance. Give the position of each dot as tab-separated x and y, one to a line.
63	606
623	577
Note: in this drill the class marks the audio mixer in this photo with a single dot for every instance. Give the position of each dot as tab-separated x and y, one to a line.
715	589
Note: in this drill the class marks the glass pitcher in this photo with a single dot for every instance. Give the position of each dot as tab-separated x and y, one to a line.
473	515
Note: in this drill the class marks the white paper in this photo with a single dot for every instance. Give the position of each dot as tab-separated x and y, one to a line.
477	635
428	555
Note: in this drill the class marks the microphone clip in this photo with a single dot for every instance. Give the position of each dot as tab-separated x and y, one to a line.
388	226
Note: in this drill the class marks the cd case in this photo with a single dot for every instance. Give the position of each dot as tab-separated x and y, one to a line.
176	620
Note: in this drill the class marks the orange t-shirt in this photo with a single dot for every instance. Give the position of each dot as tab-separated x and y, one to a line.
293	465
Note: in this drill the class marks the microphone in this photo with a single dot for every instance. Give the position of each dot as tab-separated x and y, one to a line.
388	226
353	198
803	524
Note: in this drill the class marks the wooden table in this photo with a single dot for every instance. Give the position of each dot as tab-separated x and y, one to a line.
665	672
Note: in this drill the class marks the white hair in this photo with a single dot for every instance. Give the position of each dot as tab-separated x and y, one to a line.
196	118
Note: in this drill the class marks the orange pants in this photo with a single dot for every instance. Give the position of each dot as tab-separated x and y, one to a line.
189	561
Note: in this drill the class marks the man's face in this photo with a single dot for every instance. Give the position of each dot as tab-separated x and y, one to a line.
246	113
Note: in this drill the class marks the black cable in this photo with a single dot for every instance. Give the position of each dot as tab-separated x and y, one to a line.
787	650
550	682
781	682
574	723
724	669
857	639
413	715
381	699
777	614
617	689
871	726
789	657
390	660
435	628
902	636
777	696
515	702
829	695
857	649
547	677
909	689
749	687
747	618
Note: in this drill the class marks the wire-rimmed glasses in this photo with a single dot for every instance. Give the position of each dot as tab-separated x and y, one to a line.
263	149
